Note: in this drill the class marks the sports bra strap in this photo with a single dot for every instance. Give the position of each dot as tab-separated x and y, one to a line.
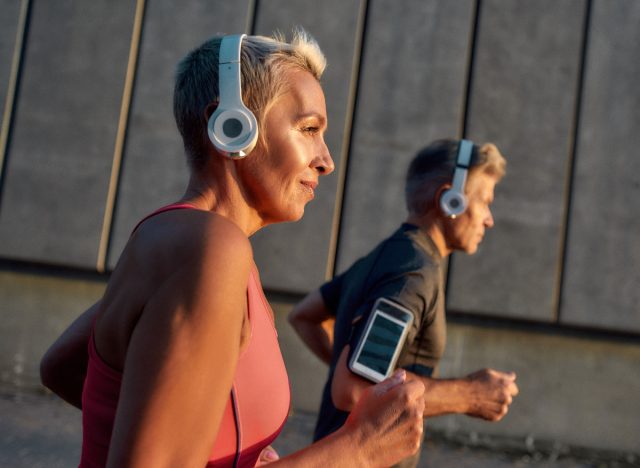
173	206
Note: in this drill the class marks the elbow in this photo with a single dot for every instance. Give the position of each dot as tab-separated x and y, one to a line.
291	318
343	402
46	373
294	319
50	370
343	398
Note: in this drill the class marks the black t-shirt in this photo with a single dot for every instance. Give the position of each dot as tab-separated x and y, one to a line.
406	268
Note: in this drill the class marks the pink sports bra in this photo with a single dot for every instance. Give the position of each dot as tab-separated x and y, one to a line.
255	412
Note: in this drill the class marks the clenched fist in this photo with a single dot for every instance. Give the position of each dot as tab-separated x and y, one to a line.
490	393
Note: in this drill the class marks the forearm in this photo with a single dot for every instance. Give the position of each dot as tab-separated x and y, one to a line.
313	322
317	338
323	453
69	384
64	365
444	396
484	394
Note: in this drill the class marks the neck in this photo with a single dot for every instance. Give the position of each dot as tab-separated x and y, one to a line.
432	226
218	191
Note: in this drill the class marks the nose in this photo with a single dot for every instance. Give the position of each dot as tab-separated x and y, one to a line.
323	163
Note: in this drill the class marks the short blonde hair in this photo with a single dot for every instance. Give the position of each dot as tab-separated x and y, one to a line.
264	63
490	161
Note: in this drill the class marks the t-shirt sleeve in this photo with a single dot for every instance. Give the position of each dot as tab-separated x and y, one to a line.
411	289
414	290
330	292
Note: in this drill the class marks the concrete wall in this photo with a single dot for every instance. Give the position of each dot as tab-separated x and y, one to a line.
88	146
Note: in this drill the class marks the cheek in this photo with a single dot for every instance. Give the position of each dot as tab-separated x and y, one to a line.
463	230
287	158
480	217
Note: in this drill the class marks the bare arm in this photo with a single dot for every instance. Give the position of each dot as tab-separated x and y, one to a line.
170	408
64	366
313	322
485	394
182	357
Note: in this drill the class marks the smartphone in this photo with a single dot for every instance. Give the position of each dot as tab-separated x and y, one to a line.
384	335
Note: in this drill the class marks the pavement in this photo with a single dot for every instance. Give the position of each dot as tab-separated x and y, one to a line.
39	430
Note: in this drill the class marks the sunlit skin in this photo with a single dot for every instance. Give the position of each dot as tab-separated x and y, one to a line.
281	178
465	233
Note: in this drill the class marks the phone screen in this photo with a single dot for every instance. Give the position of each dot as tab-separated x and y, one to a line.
380	344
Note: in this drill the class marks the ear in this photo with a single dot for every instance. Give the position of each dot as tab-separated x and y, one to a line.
210	109
443	188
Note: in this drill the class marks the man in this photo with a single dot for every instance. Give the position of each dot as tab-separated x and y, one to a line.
449	189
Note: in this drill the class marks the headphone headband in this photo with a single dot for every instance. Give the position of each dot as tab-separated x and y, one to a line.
464	153
232	128
453	201
229	76
463	160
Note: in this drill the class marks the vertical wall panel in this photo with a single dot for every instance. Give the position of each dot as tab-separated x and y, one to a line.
522	98
64	130
154	170
8	28
411	92
293	256
602	272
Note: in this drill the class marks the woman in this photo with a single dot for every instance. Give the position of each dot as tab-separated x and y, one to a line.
184	367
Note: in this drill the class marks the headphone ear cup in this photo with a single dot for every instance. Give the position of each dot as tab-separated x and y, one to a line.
453	203
234	132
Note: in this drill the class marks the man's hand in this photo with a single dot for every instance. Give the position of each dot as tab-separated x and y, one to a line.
490	393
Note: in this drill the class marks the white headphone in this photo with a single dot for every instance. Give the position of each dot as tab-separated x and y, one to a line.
232	128
453	202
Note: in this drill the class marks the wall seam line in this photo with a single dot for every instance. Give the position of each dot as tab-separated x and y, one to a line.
252	14
12	86
118	151
350	118
570	166
464	112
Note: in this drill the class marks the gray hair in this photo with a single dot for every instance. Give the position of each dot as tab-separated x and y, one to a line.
434	166
264	60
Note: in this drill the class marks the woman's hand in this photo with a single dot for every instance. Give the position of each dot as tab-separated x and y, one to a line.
388	420
268	455
384	427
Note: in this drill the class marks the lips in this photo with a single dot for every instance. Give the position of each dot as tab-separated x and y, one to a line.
310	186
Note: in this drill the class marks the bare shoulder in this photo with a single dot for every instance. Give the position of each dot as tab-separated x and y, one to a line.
218	241
183	237
201	245
222	230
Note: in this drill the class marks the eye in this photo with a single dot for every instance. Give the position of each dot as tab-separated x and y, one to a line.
310	129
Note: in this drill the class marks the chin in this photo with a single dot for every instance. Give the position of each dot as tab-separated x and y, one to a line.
471	250
297	217
291	216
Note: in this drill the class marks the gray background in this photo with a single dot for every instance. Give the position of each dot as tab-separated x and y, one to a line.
553	292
